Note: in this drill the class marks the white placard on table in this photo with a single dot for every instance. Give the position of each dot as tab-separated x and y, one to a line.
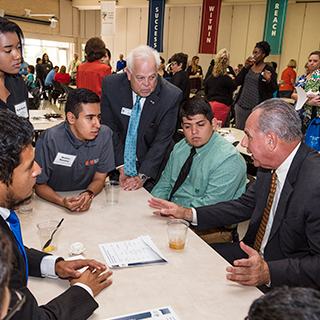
165	313
130	253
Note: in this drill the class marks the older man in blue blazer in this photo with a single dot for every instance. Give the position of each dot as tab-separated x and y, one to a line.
282	244
141	108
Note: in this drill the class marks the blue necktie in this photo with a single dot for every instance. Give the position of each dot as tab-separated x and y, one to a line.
130	167
15	228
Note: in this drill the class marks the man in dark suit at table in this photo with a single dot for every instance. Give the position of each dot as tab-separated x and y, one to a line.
140	143
18	172
282	243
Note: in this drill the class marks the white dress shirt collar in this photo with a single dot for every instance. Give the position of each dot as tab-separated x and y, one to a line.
134	98
283	169
5	213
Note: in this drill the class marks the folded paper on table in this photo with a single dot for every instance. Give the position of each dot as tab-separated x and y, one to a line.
165	313
228	131
302	98
230	138
134	252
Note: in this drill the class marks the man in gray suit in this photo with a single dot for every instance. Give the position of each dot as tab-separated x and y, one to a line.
158	108
282	243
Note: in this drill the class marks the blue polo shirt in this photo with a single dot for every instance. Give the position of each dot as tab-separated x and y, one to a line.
121	64
69	164
49	78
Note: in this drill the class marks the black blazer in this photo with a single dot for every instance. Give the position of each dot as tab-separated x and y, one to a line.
157	122
74	304
293	248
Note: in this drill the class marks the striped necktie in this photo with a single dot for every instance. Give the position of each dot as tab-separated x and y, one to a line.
14	223
130	166
266	213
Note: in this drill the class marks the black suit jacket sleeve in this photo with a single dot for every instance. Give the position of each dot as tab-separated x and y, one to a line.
226	213
293	248
74	304
109	112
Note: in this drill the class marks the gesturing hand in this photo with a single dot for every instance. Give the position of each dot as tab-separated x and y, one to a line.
253	271
170	209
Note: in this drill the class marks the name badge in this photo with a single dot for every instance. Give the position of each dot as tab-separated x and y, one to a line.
64	159
126	111
22	109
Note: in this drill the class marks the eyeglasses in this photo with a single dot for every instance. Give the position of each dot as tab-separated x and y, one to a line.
174	63
16	301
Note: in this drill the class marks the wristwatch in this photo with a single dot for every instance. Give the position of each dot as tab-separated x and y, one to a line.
143	177
91	194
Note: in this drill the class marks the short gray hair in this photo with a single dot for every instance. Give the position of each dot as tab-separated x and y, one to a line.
144	53
279	117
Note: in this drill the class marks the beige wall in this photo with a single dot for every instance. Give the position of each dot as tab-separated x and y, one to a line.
241	26
16	7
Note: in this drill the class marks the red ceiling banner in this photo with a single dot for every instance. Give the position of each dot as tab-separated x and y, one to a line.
209	26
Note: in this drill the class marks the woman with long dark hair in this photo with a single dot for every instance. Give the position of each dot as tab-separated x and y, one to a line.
13	90
46	63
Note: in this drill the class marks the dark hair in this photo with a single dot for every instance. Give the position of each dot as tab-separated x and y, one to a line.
287	304
315	52
108	53
180	58
274	65
9	26
5	264
16	133
55	67
264	46
196	105
31	67
95	49
43	60
38	59
77	97
162	60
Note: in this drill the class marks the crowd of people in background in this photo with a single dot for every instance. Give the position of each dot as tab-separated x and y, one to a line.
232	91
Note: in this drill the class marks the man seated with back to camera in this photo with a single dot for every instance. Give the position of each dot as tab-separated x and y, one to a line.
18	172
76	154
286	304
282	243
217	173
